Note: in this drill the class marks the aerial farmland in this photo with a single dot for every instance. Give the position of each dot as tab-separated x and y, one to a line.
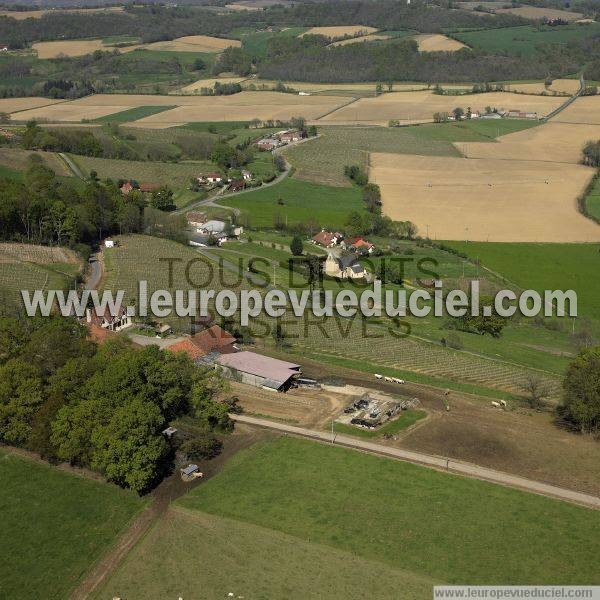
299	300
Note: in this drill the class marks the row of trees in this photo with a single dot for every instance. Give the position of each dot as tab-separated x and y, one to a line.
102	408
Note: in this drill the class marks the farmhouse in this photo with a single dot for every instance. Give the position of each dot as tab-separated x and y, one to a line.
344	267
196	219
212	341
358	244
327	239
246	175
121	320
267	144
258	370
291	136
237	185
127	187
212	178
148	188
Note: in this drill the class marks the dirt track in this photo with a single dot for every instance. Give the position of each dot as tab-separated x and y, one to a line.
168	491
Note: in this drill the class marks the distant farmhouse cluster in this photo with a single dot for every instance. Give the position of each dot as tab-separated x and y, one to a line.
343	263
281	138
459	114
210	232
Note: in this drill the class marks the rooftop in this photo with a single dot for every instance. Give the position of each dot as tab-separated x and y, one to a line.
257	364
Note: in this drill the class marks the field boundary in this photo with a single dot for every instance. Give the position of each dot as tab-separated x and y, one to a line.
438	463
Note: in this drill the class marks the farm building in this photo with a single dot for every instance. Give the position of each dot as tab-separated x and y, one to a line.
127	187
237	185
148	188
121	320
258	370
344	267
196	219
327	239
246	175
358	244
213	340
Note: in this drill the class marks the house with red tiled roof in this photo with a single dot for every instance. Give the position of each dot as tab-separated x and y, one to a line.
358	244
215	339
187	346
127	187
327	239
148	188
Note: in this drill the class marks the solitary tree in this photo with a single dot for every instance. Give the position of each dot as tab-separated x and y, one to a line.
535	389
581	402
296	246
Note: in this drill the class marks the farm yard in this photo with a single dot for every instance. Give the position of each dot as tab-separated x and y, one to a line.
437	43
415	515
417	107
491	203
55	526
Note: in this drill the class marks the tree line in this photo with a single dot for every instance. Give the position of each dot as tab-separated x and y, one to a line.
103	408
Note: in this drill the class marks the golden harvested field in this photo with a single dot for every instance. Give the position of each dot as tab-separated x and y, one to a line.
554	142
67	48
11	105
189	43
568	86
533	12
243	107
38	14
415	107
209	83
342	30
485	199
583	110
70	111
364	38
437	43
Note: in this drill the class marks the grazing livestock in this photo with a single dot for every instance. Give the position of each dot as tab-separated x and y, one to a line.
378	376
496	404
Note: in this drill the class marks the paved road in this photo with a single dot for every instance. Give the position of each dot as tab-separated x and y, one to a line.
95	273
280	177
428	460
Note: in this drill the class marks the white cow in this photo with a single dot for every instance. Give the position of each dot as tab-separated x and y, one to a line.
378	376
496	404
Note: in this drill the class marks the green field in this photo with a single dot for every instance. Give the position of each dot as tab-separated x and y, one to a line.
523	40
302	202
229	556
133	114
449	528
255	42
8	173
54	526
544	267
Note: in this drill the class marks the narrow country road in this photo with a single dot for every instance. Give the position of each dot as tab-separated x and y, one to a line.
428	460
72	166
95	273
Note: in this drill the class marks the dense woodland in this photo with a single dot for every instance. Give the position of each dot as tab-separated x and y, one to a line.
102	408
45	209
287	58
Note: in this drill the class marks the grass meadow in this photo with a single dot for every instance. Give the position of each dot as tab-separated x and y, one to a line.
54	526
449	528
133	114
524	39
300	201
544	267
230	556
